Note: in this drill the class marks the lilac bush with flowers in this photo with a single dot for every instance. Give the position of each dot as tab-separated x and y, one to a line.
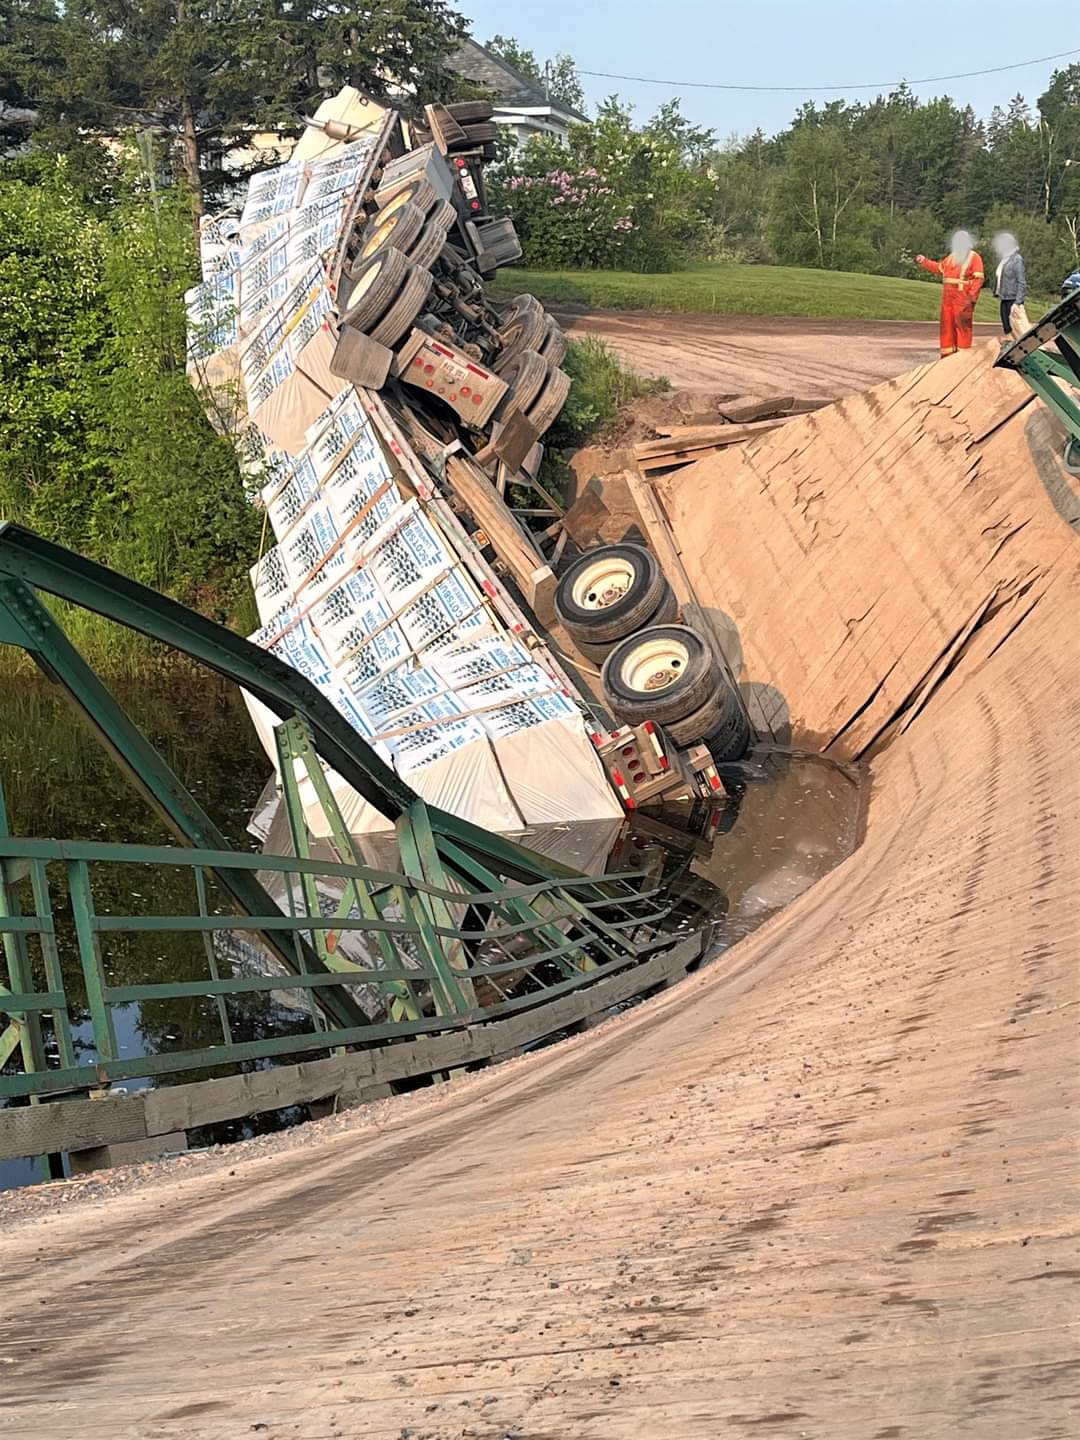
613	198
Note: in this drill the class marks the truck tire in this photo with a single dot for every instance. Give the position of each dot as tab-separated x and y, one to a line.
609	593
556	345
376	285
467	112
429	247
419	192
720	720
731	741
548	406
664	674
398	230
527	330
526	375
518	305
404	310
596	654
666	612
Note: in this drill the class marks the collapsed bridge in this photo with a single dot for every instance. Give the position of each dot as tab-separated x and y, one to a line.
825	1189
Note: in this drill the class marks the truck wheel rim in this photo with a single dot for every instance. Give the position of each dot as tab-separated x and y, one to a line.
401	198
654	665
380	237
364	282
603	583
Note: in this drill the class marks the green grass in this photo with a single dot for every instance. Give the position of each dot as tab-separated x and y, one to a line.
744	290
602	385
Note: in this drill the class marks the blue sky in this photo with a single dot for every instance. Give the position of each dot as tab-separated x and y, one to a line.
787	43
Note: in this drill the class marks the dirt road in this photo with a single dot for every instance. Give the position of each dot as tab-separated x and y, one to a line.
753	355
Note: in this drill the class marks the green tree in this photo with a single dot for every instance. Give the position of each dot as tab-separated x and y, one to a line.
558	76
1059	141
206	75
103	442
1017	151
817	215
29	53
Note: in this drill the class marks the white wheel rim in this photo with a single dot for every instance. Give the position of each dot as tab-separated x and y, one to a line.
401	198
381	235
603	583
364	282
654	665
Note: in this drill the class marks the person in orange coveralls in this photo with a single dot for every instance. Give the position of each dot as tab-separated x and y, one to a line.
962	273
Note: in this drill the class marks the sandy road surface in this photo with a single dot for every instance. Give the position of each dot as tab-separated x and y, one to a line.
828	1190
755	355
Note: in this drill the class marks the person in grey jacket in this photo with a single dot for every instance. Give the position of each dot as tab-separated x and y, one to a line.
1010	284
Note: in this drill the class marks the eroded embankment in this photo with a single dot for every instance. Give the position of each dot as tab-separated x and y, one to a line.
827	1189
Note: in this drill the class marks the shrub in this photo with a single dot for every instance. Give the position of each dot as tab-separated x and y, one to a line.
103	443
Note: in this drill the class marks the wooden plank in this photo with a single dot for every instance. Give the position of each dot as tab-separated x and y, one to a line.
679	457
83	1124
659	535
703	437
534	578
740	412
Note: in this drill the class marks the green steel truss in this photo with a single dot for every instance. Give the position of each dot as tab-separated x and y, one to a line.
1043	370
475	927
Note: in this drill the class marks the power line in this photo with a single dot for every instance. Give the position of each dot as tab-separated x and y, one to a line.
803	89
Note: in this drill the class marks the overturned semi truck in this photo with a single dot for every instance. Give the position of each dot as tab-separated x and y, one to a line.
382	404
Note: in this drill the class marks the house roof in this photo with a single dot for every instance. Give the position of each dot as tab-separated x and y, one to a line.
492	73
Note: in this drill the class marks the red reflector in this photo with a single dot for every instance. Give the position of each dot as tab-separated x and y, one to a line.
649	728
638	776
616	775
665	764
630	804
475	370
474	205
627	750
439	350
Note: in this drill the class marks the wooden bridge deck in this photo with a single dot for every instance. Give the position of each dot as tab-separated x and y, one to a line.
828	1189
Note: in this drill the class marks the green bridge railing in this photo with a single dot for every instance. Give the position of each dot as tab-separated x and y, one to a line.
437	958
475	927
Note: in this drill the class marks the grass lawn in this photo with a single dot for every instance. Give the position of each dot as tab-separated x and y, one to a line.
745	290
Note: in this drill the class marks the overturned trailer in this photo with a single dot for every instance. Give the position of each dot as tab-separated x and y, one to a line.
381	404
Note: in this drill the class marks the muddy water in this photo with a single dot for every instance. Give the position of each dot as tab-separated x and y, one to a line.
787	820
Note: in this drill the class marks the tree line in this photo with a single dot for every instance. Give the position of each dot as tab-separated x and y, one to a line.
862	186
866	186
204	76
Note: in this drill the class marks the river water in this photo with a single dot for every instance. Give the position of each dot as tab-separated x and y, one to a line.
786	821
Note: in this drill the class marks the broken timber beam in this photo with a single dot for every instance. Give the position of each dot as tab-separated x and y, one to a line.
534	578
691	442
661	540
